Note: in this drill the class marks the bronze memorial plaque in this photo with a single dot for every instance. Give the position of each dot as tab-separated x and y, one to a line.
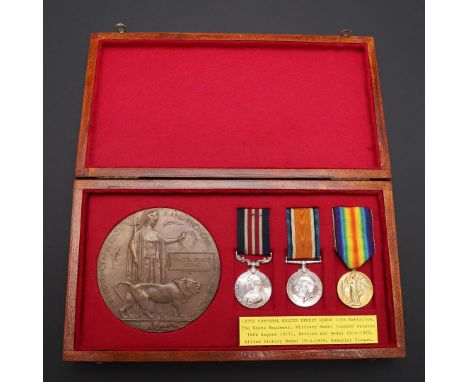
158	269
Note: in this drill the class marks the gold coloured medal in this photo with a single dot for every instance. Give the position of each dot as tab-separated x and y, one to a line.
355	289
354	244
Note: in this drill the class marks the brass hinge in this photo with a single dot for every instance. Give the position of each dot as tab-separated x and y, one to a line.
120	28
346	32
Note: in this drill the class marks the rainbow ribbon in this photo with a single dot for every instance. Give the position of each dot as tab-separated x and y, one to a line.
303	233
354	238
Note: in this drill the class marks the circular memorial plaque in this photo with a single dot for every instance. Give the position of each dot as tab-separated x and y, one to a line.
158	270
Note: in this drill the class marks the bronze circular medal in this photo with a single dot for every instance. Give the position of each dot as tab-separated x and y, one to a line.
158	269
355	289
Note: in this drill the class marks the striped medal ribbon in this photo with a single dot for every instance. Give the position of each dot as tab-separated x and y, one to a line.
253	288
303	234
354	244
354	237
253	231
304	287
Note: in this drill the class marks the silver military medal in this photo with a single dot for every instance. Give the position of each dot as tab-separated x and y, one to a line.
304	287
253	288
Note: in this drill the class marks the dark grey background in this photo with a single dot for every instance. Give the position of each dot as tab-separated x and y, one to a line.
398	27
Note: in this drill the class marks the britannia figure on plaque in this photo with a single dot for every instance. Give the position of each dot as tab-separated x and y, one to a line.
147	250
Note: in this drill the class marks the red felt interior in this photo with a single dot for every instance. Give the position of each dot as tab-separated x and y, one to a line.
217	328
232	104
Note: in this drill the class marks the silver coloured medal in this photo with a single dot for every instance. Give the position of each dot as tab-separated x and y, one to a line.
253	288
304	287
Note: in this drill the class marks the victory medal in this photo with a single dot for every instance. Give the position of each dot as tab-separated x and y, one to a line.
354	243
253	288
304	287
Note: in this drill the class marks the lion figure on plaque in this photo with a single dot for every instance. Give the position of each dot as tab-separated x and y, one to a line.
174	293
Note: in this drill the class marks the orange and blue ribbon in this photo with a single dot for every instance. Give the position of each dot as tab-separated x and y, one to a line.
303	228
354	235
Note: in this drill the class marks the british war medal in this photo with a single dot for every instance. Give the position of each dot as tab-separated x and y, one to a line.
304	287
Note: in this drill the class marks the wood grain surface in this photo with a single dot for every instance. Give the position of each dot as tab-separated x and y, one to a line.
70	354
229	179
82	170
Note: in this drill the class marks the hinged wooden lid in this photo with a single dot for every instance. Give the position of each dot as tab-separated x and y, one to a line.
232	106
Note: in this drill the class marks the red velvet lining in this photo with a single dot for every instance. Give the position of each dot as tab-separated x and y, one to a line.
98	329
232	104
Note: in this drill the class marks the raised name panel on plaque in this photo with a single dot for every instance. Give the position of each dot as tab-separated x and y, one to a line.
158	269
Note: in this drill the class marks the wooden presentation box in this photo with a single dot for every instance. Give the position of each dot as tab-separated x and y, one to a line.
207	123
